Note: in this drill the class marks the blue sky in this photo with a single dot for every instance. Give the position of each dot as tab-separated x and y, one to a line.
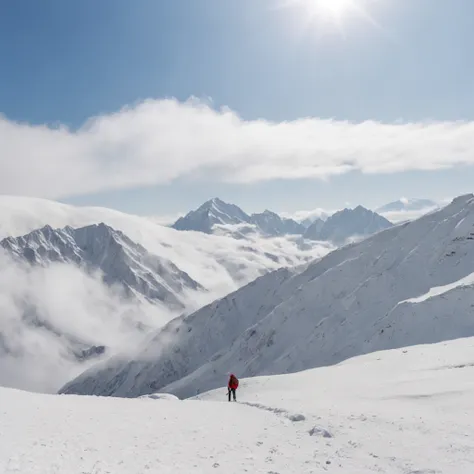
65	62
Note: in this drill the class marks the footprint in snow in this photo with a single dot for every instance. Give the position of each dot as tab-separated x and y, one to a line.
278	411
297	417
424	471
320	431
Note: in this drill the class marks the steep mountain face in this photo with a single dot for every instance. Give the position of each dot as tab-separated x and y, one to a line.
407	205
122	261
272	224
76	295
308	217
313	231
211	213
410	284
347	224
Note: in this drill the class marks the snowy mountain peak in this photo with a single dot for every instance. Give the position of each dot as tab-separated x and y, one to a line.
99	246
211	213
213	203
347	224
216	212
272	224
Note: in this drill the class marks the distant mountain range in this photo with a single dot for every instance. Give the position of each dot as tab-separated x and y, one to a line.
216	212
215	215
346	224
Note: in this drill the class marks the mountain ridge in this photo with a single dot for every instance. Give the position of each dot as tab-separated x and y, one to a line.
99	246
337	228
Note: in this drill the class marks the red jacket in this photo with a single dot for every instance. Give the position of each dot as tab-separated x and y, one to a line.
233	382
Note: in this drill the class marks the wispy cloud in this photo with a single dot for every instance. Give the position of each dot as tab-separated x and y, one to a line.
311	214
166	220
157	141
401	216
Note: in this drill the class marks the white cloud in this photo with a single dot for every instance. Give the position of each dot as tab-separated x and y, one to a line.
166	220
312	214
401	216
157	141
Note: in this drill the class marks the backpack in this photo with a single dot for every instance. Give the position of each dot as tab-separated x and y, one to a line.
234	381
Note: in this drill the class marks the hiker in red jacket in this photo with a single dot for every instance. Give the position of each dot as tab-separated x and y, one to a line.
232	385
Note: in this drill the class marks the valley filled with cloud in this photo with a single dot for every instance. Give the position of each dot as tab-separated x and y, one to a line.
60	315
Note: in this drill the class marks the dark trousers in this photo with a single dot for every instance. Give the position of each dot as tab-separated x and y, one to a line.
232	390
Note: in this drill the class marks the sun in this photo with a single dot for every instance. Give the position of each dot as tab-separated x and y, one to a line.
328	16
330	9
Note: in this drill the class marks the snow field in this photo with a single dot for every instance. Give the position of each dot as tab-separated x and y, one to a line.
72	434
404	411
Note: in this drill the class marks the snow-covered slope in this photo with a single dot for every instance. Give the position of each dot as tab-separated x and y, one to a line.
395	412
313	231
353	301
347	224
122	262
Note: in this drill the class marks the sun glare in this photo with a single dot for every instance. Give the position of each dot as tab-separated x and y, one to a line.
333	13
330	9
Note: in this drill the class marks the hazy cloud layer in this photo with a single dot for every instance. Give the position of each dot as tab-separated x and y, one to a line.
392	216
48	314
312	214
401	216
157	141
